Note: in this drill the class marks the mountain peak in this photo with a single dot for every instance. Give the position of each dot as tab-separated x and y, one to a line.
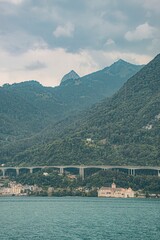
121	62
122	68
72	75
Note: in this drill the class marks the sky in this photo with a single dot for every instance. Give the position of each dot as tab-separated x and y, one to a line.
44	39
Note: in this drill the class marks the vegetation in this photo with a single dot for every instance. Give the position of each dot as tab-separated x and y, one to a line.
121	130
31	114
124	129
67	186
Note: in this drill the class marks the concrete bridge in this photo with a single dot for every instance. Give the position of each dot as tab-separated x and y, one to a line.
81	168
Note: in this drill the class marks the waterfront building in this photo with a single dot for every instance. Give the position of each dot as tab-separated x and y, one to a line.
114	192
12	189
18	189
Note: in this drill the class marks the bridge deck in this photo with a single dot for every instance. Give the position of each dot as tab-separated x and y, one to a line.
85	167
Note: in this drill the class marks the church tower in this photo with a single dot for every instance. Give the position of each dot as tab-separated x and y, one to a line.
113	185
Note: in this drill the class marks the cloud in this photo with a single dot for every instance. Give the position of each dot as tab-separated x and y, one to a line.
153	5
12	1
144	31
76	25
18	42
83	35
110	42
18	68
64	31
36	66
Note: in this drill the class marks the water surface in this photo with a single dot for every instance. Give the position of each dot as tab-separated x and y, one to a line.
75	218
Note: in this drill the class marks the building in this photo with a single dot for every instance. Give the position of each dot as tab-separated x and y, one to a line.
15	189
72	176
114	192
12	189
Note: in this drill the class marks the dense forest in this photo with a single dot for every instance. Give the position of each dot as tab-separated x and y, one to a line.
124	129
31	114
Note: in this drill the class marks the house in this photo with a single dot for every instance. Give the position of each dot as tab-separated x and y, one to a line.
72	176
114	192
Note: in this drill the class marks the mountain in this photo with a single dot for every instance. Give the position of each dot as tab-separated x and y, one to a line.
81	93
29	111
72	75
28	107
124	129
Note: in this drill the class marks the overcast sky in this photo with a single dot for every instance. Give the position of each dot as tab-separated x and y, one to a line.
45	39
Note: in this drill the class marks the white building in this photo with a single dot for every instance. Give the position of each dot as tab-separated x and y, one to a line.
114	192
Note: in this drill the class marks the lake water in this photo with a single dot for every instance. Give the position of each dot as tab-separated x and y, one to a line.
75	218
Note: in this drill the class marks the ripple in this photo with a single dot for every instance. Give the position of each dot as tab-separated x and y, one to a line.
79	218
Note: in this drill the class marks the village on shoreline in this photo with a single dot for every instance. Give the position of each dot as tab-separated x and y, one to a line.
12	188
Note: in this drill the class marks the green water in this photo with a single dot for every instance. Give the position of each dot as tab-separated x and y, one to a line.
72	218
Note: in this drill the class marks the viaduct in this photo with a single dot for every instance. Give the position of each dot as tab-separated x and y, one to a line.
81	168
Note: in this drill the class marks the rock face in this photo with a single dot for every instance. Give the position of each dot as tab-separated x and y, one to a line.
72	75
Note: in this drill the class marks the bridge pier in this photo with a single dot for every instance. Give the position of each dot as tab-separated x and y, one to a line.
81	172
31	170
158	173
3	172
17	171
61	170
132	172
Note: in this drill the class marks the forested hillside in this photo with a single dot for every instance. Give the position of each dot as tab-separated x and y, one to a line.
29	111
28	107
80	93
122	130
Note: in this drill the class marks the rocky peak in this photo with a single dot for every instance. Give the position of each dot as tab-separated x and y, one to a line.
71	75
